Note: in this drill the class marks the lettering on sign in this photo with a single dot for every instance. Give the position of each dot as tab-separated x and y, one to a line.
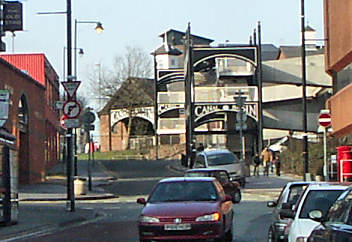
203	110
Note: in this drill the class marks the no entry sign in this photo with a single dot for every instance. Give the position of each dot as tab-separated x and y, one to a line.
324	119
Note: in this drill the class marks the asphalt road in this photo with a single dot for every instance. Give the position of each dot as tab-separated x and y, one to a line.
136	178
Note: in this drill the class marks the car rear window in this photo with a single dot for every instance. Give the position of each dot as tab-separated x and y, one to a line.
319	199
184	191
221	159
295	193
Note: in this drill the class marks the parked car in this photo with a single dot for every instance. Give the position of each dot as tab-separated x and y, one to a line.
337	225
316	196
287	198
223	159
186	208
231	188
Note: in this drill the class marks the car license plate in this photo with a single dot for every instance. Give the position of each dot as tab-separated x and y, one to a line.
177	226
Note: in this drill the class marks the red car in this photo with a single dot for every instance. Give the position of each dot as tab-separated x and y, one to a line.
186	208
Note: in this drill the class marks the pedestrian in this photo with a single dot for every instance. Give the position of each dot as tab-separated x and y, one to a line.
256	163
277	165
200	148
267	157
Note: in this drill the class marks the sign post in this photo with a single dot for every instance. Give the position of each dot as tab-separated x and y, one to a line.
324	120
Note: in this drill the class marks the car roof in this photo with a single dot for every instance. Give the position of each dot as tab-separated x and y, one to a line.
215	151
209	169
326	186
187	179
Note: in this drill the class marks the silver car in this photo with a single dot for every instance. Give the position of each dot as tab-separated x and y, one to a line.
222	159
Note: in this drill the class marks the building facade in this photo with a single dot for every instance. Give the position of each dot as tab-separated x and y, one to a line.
34	89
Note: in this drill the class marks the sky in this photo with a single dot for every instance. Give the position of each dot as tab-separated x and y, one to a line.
138	23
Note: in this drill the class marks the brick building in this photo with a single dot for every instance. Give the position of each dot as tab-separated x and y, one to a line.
338	64
34	88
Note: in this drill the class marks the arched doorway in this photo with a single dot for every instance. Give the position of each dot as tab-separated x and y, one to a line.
23	140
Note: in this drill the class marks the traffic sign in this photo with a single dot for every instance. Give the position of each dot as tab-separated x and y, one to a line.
324	119
238	126
71	87
72	123
72	109
241	116
62	121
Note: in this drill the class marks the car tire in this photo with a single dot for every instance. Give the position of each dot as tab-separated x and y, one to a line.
236	196
271	235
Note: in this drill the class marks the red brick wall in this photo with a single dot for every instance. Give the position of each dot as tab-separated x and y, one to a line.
20	84
118	136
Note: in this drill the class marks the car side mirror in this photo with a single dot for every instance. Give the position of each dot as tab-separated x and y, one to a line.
141	201
287	213
316	215
271	204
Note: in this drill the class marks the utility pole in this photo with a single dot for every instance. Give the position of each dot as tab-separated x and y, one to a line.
304	99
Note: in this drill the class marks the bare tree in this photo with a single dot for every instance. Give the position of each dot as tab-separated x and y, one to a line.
134	63
124	84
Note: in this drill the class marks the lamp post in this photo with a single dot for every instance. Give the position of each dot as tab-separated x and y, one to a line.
304	99
99	28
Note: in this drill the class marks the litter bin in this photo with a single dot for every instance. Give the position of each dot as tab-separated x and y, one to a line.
79	185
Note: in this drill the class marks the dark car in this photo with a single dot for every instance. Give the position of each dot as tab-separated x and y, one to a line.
231	188
336	226
287	198
222	159
186	208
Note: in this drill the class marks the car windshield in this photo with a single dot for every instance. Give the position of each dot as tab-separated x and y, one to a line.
183	191
221	159
319	199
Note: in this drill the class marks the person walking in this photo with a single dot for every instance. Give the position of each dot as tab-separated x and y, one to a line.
256	163
267	157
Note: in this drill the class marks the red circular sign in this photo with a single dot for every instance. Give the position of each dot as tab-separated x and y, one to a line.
62	121
325	119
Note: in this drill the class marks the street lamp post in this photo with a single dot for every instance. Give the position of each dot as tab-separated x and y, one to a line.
304	99
99	28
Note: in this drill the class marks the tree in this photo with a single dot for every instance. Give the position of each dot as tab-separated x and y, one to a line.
125	84
134	63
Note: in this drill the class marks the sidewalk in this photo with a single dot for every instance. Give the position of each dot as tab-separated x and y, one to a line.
37	218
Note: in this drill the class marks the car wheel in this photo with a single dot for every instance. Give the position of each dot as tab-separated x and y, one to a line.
271	235
236	196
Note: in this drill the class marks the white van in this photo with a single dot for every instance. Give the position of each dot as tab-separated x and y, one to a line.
222	159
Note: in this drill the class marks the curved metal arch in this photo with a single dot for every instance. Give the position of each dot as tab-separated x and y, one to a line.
171	80
224	55
218	111
126	117
169	110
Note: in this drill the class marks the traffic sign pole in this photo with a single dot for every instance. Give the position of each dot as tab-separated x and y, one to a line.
324	120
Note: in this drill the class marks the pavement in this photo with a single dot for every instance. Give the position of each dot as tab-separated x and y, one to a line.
42	207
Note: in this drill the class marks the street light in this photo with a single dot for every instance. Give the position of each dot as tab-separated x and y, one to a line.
99	28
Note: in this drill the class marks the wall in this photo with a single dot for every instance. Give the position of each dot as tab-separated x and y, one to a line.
338	28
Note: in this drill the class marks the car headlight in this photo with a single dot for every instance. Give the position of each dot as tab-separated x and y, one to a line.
301	239
209	217
147	219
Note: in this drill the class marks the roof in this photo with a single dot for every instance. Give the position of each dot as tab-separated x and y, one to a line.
308	28
187	179
295	51
175	37
326	186
33	64
142	90
205	170
269	52
169	51
215	151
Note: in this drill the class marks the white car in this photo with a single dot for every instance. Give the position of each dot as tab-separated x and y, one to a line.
316	196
